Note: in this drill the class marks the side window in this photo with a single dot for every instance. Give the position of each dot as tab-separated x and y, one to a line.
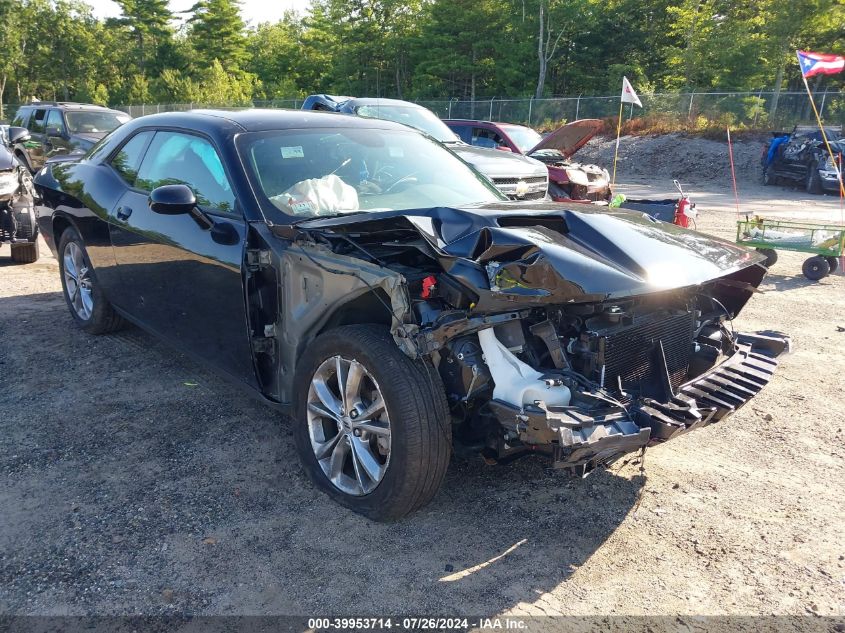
177	158
54	119
127	161
485	138
462	131
36	122
21	117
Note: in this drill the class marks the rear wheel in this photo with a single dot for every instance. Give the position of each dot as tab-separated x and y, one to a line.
771	256
372	427
816	268
833	262
25	252
84	297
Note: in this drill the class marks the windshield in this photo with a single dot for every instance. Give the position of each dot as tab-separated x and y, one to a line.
320	172
94	122
523	137
414	116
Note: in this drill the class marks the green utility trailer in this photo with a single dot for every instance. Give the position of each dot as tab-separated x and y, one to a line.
825	241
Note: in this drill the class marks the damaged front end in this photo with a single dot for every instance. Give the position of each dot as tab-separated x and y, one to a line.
17	201
581	335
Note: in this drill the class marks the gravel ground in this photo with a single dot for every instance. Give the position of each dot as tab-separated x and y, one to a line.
135	482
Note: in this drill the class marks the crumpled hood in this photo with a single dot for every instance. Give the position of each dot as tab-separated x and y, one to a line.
569	138
533	253
498	164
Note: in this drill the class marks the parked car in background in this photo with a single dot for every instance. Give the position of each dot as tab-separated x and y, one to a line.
391	313
60	127
800	157
18	225
568	179
518	177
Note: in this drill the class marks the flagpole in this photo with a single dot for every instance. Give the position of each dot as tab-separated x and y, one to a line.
824	135
618	133
733	170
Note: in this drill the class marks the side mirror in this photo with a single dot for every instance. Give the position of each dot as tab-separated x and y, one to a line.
54	130
18	134
172	200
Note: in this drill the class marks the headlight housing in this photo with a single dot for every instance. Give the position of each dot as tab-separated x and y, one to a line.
577	177
9	183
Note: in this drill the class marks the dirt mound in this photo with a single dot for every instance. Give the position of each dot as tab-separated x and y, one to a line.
686	158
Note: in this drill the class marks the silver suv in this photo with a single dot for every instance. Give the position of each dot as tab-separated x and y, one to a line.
518	177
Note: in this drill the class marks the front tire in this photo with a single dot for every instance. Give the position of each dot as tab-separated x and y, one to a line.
372	426
771	256
88	305
833	262
25	252
814	181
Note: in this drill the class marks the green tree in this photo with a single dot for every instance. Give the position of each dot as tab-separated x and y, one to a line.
217	87
149	23
457	48
138	91
276	57
12	43
217	32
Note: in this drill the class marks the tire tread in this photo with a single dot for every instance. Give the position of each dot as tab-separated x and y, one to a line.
25	252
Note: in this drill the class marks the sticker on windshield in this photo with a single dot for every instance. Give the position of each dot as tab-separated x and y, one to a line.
396	152
303	206
293	152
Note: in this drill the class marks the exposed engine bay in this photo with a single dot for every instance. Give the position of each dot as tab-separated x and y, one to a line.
589	383
17	208
582	181
578	334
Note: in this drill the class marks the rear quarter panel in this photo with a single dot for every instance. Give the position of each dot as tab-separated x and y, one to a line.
80	195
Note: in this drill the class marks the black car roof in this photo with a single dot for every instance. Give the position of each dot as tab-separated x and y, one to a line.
222	125
260	120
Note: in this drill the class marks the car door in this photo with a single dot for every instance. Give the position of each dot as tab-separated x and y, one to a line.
55	140
35	146
180	279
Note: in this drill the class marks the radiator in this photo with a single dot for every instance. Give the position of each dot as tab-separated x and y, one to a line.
628	353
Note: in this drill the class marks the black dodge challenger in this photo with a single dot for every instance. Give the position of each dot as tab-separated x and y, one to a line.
359	276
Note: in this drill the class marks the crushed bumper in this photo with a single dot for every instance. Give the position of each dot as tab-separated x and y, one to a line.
582	441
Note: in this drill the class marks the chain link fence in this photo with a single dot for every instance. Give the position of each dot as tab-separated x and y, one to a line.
749	109
761	109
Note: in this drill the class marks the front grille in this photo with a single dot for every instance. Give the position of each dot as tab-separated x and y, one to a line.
629	354
512	181
537	195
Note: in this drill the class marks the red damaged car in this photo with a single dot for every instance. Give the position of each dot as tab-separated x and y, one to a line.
568	179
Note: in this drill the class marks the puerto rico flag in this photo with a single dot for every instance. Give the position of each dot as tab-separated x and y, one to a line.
820	63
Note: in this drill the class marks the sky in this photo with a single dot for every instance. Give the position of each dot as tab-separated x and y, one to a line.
253	11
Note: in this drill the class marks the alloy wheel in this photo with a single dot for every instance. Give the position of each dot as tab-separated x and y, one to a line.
78	282
348	425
